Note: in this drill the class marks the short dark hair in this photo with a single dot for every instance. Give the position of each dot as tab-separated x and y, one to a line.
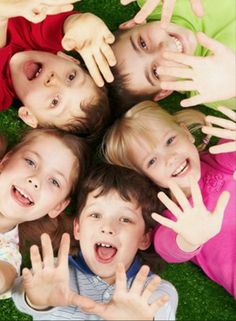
97	115
130	185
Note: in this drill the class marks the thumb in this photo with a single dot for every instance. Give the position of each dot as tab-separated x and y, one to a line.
209	43
68	43
85	303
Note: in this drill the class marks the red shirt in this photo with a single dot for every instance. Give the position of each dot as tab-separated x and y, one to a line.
24	35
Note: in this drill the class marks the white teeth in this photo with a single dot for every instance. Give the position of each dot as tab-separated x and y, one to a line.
180	169
23	194
104	245
38	72
179	45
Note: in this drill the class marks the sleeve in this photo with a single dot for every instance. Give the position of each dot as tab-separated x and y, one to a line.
46	35
168	311
18	296
226	160
166	246
9	248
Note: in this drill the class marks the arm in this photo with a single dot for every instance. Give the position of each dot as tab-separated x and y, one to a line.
94	47
195	225
213	76
34	11
167	11
7	276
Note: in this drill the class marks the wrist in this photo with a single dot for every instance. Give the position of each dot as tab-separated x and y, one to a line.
184	245
36	307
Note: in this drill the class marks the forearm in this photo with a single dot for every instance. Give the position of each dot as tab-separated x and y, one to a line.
3	31
7	276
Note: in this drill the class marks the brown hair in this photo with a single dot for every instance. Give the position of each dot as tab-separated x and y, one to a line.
130	186
97	115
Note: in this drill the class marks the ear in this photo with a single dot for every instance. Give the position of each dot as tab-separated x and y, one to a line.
145	241
76	229
4	160
189	135
26	115
68	57
59	208
163	93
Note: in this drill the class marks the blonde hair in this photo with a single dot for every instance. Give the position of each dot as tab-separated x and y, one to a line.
140	121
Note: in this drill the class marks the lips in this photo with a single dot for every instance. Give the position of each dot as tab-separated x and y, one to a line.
32	69
181	169
21	197
105	252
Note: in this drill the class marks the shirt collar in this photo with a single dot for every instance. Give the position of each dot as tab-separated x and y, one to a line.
79	263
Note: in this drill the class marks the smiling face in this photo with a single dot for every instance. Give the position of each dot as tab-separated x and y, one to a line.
51	87
36	180
142	47
172	157
110	231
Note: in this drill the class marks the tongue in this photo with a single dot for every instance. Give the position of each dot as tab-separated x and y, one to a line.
21	198
106	253
30	69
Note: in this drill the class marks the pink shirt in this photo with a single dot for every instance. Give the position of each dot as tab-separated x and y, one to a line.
24	35
217	257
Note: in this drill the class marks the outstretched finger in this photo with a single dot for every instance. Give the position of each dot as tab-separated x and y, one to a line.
121	280
164	221
125	2
146	10
182	72
93	69
35	258
185	85
184	59
27	277
179	195
175	210
156	305
151	287
228	112
108	54
209	43
103	66
222	203
48	258
196	192
139	281
225	123
64	250
220	132
192	101
167	11
223	148
197	7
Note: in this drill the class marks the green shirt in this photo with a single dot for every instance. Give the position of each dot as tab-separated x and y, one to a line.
219	23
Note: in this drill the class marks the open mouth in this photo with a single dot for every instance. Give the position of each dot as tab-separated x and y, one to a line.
21	197
105	252
181	169
32	69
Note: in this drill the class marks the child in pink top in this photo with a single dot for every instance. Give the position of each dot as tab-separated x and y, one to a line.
200	223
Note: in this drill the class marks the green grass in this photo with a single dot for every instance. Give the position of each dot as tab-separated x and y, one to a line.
199	297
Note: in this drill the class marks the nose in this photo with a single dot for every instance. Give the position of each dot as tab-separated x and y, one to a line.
108	229
34	182
51	80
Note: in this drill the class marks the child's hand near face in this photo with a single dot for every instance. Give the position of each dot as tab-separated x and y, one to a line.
195	225
34	11
90	37
47	284
213	77
131	304
167	11
228	131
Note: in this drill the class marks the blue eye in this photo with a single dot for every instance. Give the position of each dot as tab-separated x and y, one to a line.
152	162
170	140
55	182
142	43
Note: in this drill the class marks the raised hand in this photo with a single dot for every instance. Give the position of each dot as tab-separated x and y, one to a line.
90	37
228	130
194	224
213	77
34	11
130	304
167	11
47	284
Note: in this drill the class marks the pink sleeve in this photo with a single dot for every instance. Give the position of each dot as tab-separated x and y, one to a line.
226	160
45	36
166	246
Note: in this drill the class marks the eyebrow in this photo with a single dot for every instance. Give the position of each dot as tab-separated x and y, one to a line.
55	170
